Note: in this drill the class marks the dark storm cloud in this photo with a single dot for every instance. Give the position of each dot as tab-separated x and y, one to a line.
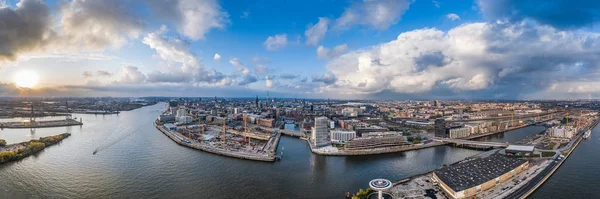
24	28
557	13
430	59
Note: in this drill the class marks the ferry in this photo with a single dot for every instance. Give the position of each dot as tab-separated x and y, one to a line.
587	134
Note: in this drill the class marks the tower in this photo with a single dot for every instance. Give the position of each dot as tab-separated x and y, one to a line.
257	101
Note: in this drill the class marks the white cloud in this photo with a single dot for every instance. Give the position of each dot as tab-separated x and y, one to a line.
239	66
192	18
315	33
377	14
470	57
269	82
324	53
276	42
453	17
131	75
217	57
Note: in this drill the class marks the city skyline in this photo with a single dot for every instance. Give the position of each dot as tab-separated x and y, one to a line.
371	49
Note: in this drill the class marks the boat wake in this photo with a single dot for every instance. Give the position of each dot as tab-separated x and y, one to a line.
107	144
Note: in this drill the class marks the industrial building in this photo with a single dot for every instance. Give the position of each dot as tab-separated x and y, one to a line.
470	177
320	132
519	149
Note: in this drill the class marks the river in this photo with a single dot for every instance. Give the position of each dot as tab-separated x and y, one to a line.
137	161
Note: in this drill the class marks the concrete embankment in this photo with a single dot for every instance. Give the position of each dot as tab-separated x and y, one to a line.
374	151
265	158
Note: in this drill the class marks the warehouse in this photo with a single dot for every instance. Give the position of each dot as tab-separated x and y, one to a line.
473	176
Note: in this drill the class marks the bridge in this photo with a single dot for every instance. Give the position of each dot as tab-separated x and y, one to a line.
285	132
469	142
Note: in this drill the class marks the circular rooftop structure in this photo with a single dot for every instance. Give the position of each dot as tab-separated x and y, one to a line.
380	184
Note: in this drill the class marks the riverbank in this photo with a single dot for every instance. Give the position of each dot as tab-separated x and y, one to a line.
555	168
40	124
14	152
265	158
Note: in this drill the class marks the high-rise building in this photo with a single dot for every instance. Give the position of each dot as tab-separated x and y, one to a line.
320	132
440	128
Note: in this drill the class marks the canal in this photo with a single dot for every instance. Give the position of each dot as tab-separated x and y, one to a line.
137	161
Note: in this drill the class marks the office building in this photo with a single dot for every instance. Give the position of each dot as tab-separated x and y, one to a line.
320	132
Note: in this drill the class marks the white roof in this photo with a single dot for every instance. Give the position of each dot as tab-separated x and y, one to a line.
520	148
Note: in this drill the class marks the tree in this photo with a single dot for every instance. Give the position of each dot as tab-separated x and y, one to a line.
2	142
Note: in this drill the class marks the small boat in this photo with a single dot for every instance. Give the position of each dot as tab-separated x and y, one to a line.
587	134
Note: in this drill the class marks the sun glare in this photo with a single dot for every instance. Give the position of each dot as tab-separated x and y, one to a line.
26	79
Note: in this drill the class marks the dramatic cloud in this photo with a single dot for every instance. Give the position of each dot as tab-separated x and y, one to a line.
377	14
193	18
131	75
80	25
509	59
96	24
557	13
324	53
24	28
276	42
315	33
453	17
217	57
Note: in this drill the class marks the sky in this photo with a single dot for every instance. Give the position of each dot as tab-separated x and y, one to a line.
339	49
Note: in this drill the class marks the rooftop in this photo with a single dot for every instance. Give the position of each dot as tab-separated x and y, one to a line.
471	173
519	148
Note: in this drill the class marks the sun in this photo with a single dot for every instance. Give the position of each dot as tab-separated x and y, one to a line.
26	79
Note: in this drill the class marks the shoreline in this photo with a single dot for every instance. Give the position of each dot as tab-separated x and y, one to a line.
539	184
222	152
26	149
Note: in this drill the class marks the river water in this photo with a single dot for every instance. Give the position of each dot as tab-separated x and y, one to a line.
137	161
